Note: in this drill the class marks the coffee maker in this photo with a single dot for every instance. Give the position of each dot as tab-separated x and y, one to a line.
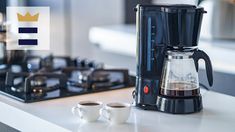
167	58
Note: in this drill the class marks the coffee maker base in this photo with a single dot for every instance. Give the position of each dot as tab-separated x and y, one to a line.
179	105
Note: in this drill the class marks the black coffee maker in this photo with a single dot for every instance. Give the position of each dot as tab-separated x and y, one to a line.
167	58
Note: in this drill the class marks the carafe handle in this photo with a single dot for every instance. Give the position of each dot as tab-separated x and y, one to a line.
199	54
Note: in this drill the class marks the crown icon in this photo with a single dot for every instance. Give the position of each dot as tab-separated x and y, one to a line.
28	17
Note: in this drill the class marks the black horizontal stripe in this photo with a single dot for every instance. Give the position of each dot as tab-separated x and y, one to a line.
28	42
28	30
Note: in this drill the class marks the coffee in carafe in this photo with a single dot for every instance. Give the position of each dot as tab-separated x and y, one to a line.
179	89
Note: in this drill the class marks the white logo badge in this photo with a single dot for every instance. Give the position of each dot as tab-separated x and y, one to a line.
29	28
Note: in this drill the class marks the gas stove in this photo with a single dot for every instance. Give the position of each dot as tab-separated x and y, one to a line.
41	78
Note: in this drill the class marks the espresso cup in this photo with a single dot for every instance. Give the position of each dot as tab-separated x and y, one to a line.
88	111
116	113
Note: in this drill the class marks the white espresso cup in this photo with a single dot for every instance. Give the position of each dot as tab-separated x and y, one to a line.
116	113
88	111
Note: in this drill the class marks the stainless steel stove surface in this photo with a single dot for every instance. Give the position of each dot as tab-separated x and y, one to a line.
37	79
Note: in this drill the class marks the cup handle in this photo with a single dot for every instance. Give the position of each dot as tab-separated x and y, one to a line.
105	113
77	111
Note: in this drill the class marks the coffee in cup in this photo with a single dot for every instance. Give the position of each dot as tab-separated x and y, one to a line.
116	113
87	110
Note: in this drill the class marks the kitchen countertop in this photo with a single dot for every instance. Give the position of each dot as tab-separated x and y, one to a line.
218	115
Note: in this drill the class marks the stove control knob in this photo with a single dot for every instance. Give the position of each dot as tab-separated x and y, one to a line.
91	64
81	62
146	89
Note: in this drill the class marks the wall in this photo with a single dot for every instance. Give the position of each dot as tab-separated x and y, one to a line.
89	13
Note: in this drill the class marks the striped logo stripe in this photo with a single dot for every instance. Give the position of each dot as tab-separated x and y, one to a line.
28	30
28	42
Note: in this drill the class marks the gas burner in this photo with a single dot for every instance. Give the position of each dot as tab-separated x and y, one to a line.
39	82
85	63
100	77
55	63
93	76
56	77
16	89
42	91
96	78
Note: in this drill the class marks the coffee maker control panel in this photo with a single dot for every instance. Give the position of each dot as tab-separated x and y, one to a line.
147	93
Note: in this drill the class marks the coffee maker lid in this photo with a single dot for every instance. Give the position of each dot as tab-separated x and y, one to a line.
181	8
179	24
182	24
172	8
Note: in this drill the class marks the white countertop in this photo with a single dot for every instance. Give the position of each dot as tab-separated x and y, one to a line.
218	115
121	39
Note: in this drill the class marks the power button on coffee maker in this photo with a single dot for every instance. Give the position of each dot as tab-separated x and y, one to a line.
146	89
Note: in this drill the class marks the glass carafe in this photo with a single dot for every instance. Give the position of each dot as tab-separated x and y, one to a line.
180	76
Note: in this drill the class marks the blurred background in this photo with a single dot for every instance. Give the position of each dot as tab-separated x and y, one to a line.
104	31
